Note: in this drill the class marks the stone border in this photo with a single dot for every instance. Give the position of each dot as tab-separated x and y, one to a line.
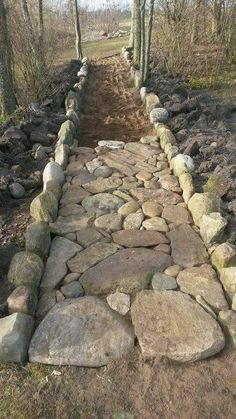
26	268
204	207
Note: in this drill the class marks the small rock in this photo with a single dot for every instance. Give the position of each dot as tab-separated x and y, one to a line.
159	115
173	270
26	268
163	282
128	208
109	222
224	256
17	191
93	165
152	209
227	320
103	171
212	227
70	278
119	302
133	221
72	290
22	300
156	224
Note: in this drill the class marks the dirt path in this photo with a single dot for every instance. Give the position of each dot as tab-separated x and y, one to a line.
112	106
130	388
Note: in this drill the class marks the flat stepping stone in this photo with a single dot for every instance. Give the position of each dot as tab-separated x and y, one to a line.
90	256
83	332
83	176
176	214
187	248
112	144
171	324
163	282
54	272
203	281
74	195
138	238
70	224
71	209
64	249
140	149
156	223
159	195
128	271
88	236
103	185
102	203
112	162
109	222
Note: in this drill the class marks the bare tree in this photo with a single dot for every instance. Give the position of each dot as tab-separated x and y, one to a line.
7	96
137	32
77	30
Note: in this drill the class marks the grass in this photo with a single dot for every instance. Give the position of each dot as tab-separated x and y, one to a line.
2	119
96	49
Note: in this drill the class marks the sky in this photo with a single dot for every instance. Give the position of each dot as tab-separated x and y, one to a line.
97	4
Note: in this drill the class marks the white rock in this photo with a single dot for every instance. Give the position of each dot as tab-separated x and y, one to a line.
119	302
182	164
53	171
159	115
143	93
212	227
111	144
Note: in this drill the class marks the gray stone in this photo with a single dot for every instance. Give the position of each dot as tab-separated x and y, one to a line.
53	171
119	302
138	238
73	116
15	334
70	278
88	236
54	187
128	271
44	207
102	203
93	165
64	249
163	282
38	239
187	247
202	280
25	269
103	185
159	115
91	256
103	171
74	195
72	290
46	302
83	176
62	154
109	222
227	320
17	191
71	209
54	272
40	137
70	224
171	324
82	332
152	209
66	133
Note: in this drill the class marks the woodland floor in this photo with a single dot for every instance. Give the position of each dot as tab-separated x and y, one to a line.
129	388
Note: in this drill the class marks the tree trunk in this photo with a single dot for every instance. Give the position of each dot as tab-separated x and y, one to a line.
7	96
196	22
143	37
41	27
137	34
149	40
28	22
77	31
131	38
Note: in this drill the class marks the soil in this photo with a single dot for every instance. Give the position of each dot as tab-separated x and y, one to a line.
131	388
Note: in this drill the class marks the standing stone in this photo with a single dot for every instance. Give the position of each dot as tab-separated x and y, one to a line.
186	184
128	271
182	164
15	334
38	239
54	187
159	115
171	324
187	247
26	268
90	256
201	204
53	171
224	256
44	207
82	332
67	133
212	227
202	280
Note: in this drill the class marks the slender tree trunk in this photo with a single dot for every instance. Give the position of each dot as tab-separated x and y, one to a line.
7	96
28	22
143	38
137	33
77	31
149	40
41	27
196	22
131	38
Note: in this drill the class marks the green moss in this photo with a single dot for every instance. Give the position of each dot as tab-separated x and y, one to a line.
206	82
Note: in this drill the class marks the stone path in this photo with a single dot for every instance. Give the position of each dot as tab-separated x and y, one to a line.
126	261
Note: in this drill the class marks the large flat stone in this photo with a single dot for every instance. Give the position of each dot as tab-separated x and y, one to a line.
187	247
71	223
140	149
88	236
171	324
138	238
74	195
128	271
203	281
102	203
103	185
54	272
64	249
90	256
82	332
159	195
176	214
